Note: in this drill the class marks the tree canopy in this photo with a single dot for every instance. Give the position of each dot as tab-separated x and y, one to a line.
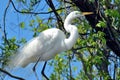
96	55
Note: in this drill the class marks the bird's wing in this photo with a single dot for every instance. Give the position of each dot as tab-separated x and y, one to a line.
34	49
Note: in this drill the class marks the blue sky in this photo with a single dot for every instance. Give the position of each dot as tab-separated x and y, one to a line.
27	72
13	30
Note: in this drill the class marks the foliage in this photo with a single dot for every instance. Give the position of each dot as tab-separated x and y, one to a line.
9	49
90	53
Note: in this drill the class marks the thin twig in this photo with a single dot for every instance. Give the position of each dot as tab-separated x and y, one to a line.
4	23
29	12
69	61
59	20
16	77
74	49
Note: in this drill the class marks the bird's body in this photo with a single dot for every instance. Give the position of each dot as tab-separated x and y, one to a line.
47	44
53	40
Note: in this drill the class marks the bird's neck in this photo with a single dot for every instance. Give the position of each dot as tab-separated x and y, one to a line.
67	22
70	41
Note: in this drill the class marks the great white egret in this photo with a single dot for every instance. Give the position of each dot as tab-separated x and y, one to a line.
48	43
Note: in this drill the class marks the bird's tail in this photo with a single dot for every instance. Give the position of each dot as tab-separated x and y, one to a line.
16	60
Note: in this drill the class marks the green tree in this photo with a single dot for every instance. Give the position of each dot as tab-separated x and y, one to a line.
97	51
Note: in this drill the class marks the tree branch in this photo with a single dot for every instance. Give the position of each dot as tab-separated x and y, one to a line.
29	12
84	65
74	49
59	20
16	77
111	41
4	24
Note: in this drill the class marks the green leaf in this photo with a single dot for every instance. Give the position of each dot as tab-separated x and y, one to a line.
31	23
22	25
23	40
13	39
23	1
101	24
38	19
75	68
112	13
24	10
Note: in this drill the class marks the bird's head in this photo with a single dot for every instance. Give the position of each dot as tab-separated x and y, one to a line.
71	16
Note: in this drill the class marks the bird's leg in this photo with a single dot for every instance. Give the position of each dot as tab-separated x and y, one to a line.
34	68
43	69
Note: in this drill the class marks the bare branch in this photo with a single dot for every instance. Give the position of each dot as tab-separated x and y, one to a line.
16	77
4	23
70	68
29	12
111	41
74	49
59	20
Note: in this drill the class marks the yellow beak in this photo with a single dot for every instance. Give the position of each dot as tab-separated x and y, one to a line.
87	13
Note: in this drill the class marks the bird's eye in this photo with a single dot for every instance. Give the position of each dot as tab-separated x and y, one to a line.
77	13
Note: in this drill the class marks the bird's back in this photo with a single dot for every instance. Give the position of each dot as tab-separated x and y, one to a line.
46	45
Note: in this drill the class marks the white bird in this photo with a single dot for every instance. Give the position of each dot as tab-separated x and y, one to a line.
48	43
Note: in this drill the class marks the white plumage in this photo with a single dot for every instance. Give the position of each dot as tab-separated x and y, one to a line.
47	44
